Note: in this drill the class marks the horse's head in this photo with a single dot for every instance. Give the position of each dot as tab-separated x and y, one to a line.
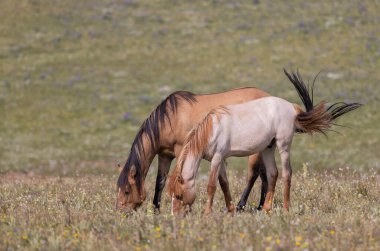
182	196
131	193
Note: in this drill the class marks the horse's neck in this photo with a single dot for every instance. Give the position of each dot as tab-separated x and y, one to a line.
190	167
146	157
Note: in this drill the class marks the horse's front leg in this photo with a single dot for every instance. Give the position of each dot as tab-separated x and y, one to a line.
224	184
272	173
211	187
254	163
163	170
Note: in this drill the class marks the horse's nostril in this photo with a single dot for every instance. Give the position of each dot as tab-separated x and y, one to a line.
179	197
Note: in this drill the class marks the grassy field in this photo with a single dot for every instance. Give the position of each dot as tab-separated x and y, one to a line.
77	78
329	211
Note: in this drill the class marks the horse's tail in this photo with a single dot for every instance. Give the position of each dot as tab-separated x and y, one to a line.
150	128
195	144
316	118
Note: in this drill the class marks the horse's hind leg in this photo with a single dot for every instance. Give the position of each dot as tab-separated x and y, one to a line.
284	149
272	173
224	184
254	163
264	186
211	187
163	170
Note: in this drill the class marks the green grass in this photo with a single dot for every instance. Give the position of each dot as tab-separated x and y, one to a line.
71	71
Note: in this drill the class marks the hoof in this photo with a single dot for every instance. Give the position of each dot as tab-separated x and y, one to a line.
156	211
240	208
207	212
231	210
267	208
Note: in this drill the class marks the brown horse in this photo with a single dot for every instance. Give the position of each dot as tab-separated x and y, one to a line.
164	132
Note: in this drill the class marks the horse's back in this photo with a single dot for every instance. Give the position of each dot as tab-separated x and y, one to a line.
265	109
190	114
251	126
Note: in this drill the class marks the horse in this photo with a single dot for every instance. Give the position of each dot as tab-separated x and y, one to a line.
260	125
163	134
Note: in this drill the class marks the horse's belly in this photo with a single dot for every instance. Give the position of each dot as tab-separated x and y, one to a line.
239	153
244	146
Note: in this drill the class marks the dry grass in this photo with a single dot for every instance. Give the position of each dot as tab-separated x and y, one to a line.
339	211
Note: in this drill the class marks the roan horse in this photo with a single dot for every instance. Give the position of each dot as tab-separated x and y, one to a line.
164	132
243	129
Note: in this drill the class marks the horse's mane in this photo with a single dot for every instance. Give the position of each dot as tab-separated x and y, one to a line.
150	128
195	143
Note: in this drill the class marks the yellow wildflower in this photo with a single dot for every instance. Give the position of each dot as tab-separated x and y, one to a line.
298	240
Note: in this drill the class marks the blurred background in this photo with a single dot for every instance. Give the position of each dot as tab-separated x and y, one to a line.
77	78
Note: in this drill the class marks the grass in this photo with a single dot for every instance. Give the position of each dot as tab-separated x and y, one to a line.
78	78
51	213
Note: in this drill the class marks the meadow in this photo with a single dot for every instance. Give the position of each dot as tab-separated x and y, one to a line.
77	78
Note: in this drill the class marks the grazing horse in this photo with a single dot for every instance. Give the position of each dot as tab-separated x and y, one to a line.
243	129
164	132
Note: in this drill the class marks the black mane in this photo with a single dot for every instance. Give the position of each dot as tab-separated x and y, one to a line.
151	128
